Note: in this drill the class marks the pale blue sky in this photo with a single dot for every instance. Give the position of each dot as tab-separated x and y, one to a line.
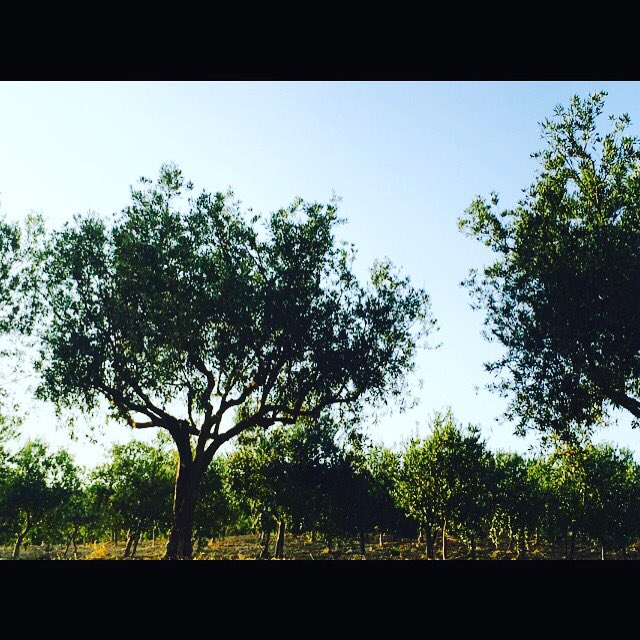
406	158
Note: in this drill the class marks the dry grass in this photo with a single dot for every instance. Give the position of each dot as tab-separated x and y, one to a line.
301	548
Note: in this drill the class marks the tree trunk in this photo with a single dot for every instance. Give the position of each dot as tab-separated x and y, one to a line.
380	539
603	552
430	543
75	544
180	543
522	546
280	540
473	547
572	545
314	536
66	550
624	552
444	539
136	539
16	548
264	553
127	549
363	542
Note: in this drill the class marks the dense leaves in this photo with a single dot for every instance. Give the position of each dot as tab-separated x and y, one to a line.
185	310
563	293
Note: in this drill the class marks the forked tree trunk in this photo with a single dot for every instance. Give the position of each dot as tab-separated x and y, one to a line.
264	541
72	539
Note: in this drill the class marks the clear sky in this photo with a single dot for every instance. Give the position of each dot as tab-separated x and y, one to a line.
406	158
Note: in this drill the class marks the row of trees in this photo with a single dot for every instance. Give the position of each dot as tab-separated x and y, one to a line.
331	482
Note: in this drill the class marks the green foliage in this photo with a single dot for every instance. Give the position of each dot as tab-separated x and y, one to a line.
36	483
134	487
215	512
563	293
612	509
190	299
518	502
445	479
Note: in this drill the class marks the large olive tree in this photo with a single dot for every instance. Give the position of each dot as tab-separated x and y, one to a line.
563	292
188	314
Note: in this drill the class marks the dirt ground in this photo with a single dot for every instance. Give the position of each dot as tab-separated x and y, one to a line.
301	547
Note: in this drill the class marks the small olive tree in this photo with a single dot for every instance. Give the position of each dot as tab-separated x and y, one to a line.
136	482
444	481
36	484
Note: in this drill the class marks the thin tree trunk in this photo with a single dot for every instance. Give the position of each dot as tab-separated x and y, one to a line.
127	549
280	540
572	545
473	547
624	552
75	544
380	539
522	546
66	550
16	548
314	536
603	552
136	539
444	539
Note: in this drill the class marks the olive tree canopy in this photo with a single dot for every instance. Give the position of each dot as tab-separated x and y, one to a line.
563	293
186	313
